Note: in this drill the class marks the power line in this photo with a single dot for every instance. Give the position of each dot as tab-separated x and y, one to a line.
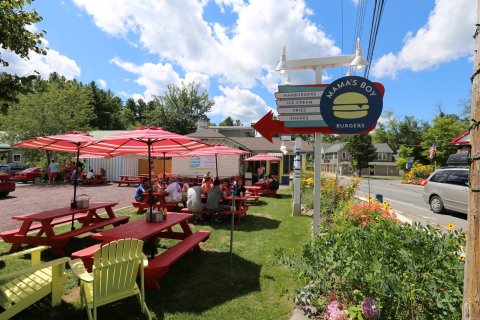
376	18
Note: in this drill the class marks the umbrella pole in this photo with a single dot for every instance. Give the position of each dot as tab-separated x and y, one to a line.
216	166
75	183
164	167
150	190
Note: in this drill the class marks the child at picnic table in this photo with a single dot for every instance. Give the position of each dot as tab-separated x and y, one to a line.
144	186
214	196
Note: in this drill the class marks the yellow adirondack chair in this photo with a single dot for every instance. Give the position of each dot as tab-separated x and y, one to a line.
25	287
113	277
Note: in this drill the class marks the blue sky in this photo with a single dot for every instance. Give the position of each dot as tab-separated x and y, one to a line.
423	55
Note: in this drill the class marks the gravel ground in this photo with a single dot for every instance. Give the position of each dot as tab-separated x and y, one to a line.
33	197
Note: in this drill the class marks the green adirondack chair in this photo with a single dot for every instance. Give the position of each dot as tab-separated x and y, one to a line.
22	288
113	276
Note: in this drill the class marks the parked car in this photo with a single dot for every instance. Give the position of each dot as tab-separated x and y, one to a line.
29	174
7	184
447	189
12	168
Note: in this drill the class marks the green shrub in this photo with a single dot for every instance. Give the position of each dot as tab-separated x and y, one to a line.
411	272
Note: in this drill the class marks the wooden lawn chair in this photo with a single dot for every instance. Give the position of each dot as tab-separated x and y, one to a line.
113	277
26	287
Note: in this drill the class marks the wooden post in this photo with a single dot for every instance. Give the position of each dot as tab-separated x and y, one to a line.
471	285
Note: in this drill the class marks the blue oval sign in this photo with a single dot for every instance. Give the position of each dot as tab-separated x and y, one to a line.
351	104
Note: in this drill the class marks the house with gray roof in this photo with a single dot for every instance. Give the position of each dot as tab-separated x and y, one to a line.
336	157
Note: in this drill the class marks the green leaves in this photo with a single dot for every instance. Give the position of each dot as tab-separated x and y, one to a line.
413	272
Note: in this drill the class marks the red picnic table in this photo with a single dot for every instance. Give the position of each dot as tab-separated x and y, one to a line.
254	192
128	180
46	220
150	232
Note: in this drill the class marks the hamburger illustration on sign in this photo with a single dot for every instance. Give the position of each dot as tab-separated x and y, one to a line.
352	104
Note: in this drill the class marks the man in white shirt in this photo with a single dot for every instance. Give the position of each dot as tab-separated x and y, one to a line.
174	191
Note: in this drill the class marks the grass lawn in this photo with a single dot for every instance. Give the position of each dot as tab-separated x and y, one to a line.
202	285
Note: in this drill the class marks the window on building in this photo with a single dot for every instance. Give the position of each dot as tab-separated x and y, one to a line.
288	163
344	155
17	157
382	156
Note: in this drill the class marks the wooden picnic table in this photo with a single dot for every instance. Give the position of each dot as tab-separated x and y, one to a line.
128	180
150	232
44	221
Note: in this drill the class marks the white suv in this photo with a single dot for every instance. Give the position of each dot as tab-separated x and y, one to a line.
447	189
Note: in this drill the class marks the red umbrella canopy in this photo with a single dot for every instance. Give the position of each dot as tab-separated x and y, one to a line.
69	142
262	157
151	140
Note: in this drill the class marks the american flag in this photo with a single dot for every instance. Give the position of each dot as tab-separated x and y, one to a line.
433	150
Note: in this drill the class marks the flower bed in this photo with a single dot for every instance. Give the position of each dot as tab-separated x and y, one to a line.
367	265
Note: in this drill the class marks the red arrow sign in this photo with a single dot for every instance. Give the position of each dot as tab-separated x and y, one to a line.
267	127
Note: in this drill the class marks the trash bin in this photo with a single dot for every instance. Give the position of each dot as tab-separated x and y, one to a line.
379	197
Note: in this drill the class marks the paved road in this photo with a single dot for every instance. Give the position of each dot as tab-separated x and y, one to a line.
32	197
408	200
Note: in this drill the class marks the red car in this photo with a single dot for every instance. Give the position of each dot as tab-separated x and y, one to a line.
29	174
7	184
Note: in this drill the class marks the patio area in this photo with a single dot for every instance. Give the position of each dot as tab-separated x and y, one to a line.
201	285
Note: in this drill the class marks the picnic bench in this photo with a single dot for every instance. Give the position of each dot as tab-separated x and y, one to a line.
241	208
128	180
159	202
150	232
253	192
44	221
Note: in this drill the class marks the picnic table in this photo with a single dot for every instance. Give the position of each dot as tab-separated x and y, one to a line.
128	180
44	221
254	192
150	232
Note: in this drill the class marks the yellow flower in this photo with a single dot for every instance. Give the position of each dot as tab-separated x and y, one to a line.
461	258
450	227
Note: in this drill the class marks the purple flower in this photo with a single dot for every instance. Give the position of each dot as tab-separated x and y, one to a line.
369	309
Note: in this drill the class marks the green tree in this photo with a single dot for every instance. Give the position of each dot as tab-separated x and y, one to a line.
16	37
107	108
445	128
361	150
229	122
179	109
404	153
60	108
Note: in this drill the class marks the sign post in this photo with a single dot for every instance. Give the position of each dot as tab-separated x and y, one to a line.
349	105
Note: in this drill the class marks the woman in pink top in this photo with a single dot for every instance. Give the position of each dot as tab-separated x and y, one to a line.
207	185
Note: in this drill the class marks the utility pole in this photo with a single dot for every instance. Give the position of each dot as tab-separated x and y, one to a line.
471	284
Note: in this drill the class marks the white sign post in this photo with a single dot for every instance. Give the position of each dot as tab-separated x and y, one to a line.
297	174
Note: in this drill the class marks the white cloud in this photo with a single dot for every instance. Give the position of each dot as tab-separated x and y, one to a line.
240	54
446	36
102	83
239	104
44	65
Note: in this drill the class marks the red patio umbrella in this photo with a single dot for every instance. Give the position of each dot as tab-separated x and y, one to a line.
150	140
215	150
263	157
72	142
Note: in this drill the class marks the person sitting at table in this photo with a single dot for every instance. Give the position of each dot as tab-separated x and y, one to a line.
272	183
214	196
90	175
240	188
174	191
226	188
185	187
76	177
207	185
194	201
103	172
144	186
